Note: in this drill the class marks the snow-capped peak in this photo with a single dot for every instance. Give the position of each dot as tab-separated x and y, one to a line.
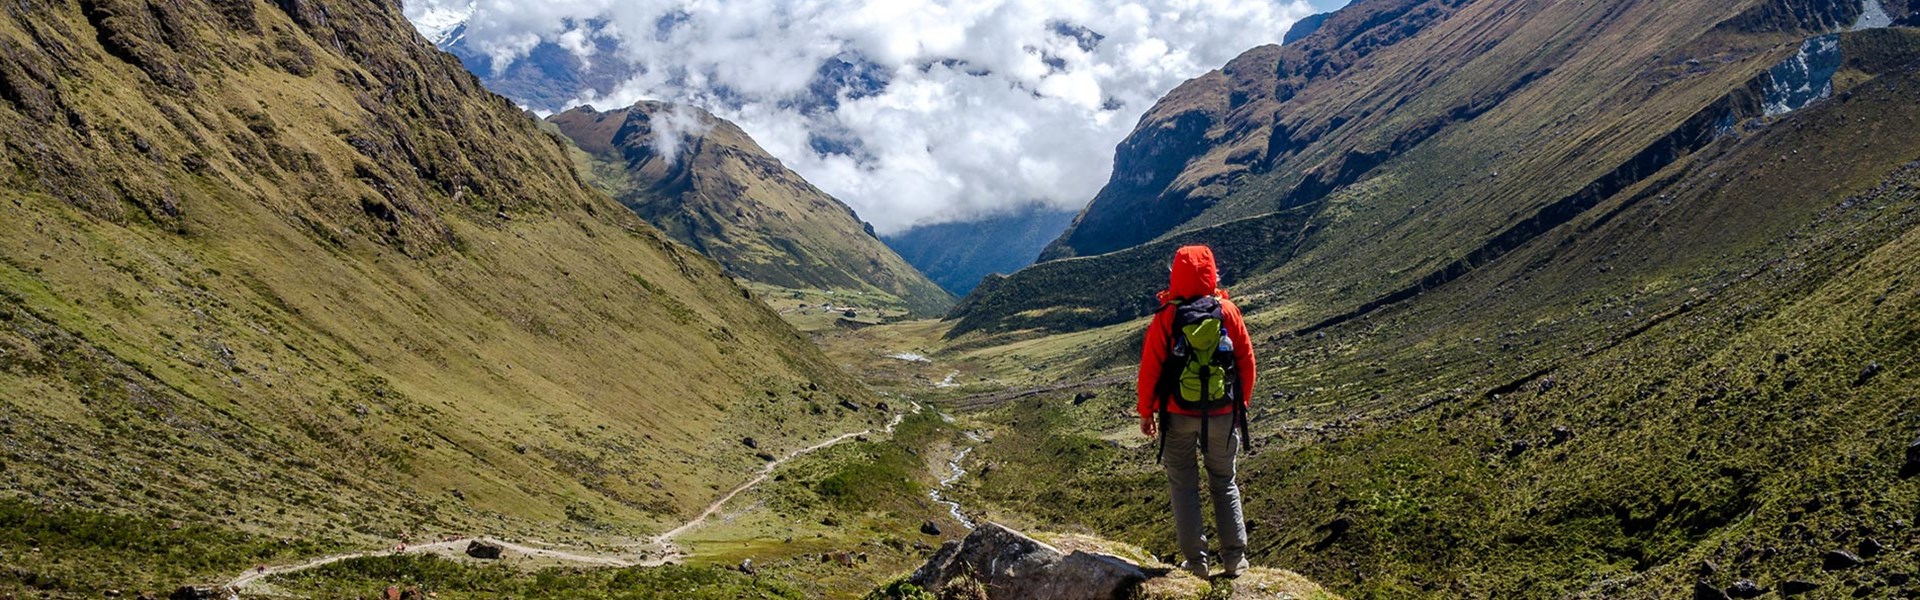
438	22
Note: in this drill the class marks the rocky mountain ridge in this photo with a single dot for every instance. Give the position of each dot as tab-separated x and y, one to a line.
704	181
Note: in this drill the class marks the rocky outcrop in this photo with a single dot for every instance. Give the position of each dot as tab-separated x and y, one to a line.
1009	565
484	550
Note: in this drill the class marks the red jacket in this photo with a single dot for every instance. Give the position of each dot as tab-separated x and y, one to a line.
1194	275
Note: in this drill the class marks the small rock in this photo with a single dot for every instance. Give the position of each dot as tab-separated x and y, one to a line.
1746	588
763	456
1519	447
1794	587
520	448
1561	434
194	592
849	405
746	566
750	443
881	406
929	528
850	314
483	550
1708	569
459	495
1913	460
1835	560
830	522
1083	397
1867	373
1702	591
113	593
1871	547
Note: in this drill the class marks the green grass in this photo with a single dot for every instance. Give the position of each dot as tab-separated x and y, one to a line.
360	273
368	577
1700	337
75	553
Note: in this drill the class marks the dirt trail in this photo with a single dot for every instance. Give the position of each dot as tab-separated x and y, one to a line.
658	550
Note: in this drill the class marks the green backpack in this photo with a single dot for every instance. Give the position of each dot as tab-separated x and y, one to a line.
1199	371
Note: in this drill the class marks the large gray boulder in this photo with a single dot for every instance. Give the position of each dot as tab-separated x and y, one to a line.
1013	566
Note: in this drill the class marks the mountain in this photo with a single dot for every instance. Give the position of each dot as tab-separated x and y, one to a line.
958	255
706	183
1553	299
280	278
1279	142
549	77
1304	27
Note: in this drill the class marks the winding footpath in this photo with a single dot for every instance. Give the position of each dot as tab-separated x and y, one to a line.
658	550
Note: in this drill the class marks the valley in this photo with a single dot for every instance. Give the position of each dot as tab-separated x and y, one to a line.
1550	300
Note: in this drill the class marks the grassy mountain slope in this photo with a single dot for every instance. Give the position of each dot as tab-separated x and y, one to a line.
1600	414
1411	141
1550	306
713	188
285	272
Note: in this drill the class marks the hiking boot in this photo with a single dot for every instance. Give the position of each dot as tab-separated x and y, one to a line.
1236	567
1197	568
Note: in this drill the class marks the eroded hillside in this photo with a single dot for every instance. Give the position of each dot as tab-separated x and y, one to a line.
285	274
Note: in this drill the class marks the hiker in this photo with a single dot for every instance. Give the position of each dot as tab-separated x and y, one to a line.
1196	374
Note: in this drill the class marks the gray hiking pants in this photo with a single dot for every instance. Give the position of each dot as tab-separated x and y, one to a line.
1183	477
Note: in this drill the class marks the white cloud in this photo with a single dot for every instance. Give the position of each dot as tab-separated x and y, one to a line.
674	128
988	104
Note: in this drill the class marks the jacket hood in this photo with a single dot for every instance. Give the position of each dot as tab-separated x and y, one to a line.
1194	275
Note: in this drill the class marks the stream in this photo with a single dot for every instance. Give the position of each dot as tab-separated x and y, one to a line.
956	471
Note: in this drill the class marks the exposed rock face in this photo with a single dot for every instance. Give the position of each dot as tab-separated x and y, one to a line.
1010	565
